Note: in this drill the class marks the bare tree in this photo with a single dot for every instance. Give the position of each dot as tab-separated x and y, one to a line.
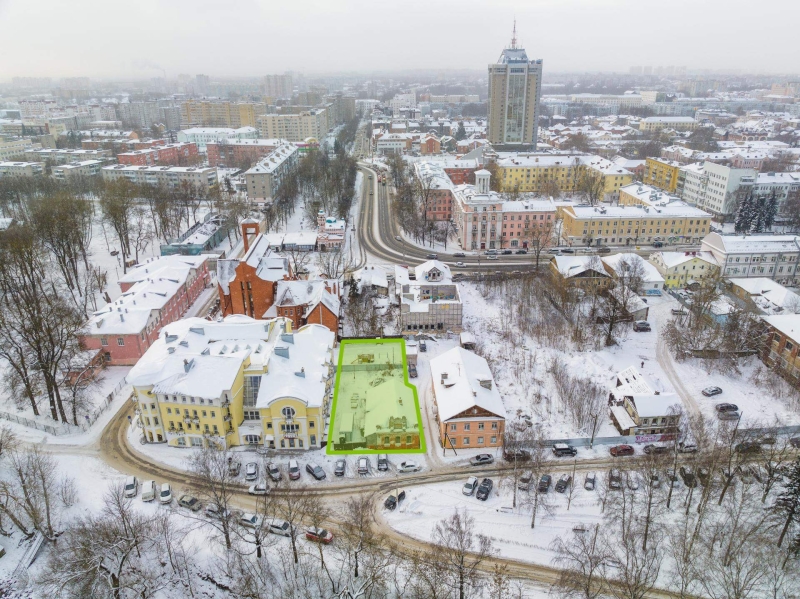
214	483
462	551
583	561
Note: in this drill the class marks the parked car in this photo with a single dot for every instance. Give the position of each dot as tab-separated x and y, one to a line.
131	486
280	527
614	479
687	474
165	496
562	449
383	462
679	312
521	252
394	499
485	489
459	255
524	483
563	483
728	415
641	326
214	511
711	391
340	467
363	465
461	265
748	447
423	347
260	488
251	471
632	481
251	520
432	256
567	251
148	490
481	459
621	450
294	470
518	455
687	447
590	482
491	257
408	466
603	250
726	407
315	470
274	471
412	371
189	502
234	467
319	535
506	252
544	483
470	486
656	449
490	252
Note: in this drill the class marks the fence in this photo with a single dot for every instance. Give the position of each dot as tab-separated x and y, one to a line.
65	428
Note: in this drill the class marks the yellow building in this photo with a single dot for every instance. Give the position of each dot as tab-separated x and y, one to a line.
201	113
239	381
639	194
632	225
662	173
532	172
680	268
676	123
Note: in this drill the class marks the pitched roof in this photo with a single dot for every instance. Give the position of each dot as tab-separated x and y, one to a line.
462	388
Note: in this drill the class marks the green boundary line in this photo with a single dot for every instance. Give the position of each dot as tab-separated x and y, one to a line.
329	447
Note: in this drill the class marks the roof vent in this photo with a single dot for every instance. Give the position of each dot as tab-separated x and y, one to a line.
198	330
187	365
301	373
287	338
171	350
282	351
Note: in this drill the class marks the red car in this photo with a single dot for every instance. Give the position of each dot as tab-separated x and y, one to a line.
319	535
620	450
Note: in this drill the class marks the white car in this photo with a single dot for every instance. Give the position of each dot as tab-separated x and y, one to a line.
470	486
251	471
165	496
408	466
280	527
259	489
251	520
461	264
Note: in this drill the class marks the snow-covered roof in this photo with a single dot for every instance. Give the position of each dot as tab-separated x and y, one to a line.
623	418
769	295
371	276
751	244
571	266
788	324
650	406
269	266
650	273
463	380
306	293
423	271
631	382
673	259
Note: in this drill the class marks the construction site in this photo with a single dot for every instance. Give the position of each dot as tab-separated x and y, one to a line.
375	408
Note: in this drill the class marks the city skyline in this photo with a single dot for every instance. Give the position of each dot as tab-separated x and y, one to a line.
171	38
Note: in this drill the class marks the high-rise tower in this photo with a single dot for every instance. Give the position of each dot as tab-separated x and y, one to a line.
515	87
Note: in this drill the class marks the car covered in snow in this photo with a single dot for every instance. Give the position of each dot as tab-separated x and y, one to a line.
251	520
340	467
614	479
383	462
319	535
260	488
590	482
470	486
274	471
711	391
251	471
280	527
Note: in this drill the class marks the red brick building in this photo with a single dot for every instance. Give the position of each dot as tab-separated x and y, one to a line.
307	302
429	144
177	154
248	286
461	171
154	294
233	152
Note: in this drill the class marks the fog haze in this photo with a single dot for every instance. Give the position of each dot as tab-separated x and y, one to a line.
109	38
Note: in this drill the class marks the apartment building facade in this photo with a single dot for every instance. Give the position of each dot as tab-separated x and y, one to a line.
21	169
651	124
662	173
202	179
264	179
295	127
231	152
208	113
771	256
177	154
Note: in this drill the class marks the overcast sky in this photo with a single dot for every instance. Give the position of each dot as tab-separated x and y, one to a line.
138	38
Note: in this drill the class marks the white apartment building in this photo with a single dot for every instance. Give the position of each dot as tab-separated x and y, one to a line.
20	169
401	101
745	256
66	155
783	184
202	135
265	177
14	148
294	127
200	178
83	168
715	187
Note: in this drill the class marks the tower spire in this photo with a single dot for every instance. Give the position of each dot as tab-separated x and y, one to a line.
514	36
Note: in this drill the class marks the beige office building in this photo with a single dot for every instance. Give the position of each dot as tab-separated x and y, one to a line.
515	86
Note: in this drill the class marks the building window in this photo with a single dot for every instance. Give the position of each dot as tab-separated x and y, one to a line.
120	341
313	439
252	439
251	387
453	428
196	441
466	426
480	440
103	341
182	441
288	412
494	425
494	440
252	415
466	441
480	426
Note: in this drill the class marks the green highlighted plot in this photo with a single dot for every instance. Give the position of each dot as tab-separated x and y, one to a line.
375	408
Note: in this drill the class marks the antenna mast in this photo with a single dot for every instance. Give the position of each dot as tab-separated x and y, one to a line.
514	36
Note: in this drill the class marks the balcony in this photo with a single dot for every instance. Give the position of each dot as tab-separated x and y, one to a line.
226	418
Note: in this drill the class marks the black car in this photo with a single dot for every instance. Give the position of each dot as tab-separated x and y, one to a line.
383	461
315	470
423	347
726	407
567	251
519	455
506	252
412	371
562	450
656	449
563	483
544	483
340	467
394	499
484	489
603	250
521	252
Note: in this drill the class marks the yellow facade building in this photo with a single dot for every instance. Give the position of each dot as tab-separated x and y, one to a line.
662	174
234	382
681	268
201	113
632	225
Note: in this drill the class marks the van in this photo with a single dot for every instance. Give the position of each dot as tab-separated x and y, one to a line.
131	486
148	490
562	449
